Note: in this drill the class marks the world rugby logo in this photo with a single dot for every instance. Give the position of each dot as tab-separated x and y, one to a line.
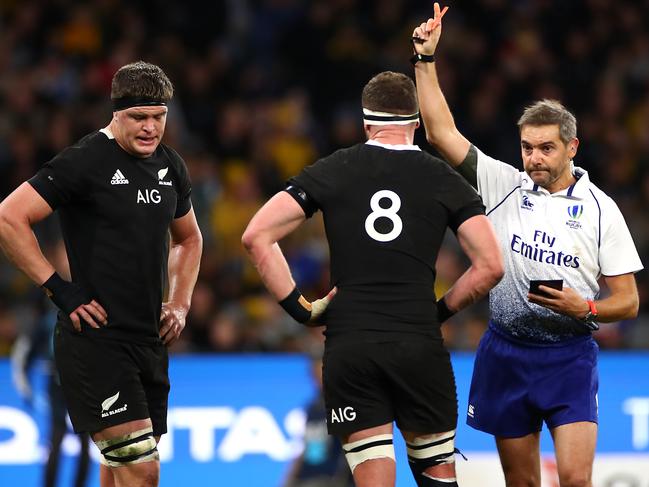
575	211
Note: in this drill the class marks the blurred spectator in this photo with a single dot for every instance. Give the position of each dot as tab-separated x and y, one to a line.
264	88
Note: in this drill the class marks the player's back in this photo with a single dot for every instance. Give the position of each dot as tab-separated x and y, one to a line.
385	213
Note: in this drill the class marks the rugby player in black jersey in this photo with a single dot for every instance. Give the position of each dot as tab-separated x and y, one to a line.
386	206
120	193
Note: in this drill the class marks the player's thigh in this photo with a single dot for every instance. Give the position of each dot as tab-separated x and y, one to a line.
129	454
355	391
422	384
521	460
154	375
100	380
370	455
574	445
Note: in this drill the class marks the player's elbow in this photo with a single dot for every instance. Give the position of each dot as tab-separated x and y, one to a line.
492	270
249	239
496	271
8	220
253	240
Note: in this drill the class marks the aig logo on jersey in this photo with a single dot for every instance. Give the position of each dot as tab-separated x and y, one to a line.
575	212
341	415
148	196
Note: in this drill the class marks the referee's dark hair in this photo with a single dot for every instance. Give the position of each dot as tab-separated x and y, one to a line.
550	112
390	92
142	80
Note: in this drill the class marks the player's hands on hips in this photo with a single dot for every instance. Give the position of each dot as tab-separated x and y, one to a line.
172	321
429	32
92	313
567	301
319	306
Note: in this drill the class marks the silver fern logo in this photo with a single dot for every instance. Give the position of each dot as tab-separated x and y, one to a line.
105	406
162	173
108	403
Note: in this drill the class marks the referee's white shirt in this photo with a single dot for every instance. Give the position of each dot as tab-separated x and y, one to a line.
576	234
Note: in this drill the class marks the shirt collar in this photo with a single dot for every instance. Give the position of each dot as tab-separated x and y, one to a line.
577	190
393	147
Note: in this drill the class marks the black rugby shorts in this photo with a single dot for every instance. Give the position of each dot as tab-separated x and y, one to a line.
370	384
110	382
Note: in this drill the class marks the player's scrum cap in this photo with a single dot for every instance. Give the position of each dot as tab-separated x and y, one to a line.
136	101
370	117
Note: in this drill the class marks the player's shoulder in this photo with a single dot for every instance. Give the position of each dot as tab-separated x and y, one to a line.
171	154
83	151
343	155
596	195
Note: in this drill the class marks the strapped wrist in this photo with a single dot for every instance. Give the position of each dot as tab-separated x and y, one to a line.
66	295
424	58
297	306
591	316
443	313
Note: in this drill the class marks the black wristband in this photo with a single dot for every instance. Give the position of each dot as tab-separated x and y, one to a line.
443	313
68	296
424	58
293	307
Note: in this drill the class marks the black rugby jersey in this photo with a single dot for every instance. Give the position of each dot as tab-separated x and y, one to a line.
385	213
115	211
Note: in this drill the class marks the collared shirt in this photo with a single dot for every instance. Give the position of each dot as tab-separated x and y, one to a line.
577	234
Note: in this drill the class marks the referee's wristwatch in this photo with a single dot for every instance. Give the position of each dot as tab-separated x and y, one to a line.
591	317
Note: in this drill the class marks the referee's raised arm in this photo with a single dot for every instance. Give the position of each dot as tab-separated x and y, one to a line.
440	127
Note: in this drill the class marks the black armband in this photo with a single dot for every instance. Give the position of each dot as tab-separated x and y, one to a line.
424	58
299	195
68	296
296	306
443	313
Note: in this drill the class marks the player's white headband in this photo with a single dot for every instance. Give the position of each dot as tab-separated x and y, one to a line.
370	117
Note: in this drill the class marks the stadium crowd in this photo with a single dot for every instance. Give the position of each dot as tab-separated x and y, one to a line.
264	87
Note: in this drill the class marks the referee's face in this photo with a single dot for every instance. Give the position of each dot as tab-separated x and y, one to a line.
546	158
139	130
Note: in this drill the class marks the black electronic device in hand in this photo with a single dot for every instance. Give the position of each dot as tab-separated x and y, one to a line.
553	283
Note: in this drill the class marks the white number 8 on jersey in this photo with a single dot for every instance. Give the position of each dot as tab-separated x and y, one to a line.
390	213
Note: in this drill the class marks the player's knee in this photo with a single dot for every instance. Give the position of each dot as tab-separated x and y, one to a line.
432	460
374	447
152	476
575	479
133	448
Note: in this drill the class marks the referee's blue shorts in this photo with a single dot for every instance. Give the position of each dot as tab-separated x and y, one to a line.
516	386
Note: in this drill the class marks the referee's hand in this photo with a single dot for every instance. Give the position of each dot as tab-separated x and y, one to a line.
172	322
426	36
92	313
